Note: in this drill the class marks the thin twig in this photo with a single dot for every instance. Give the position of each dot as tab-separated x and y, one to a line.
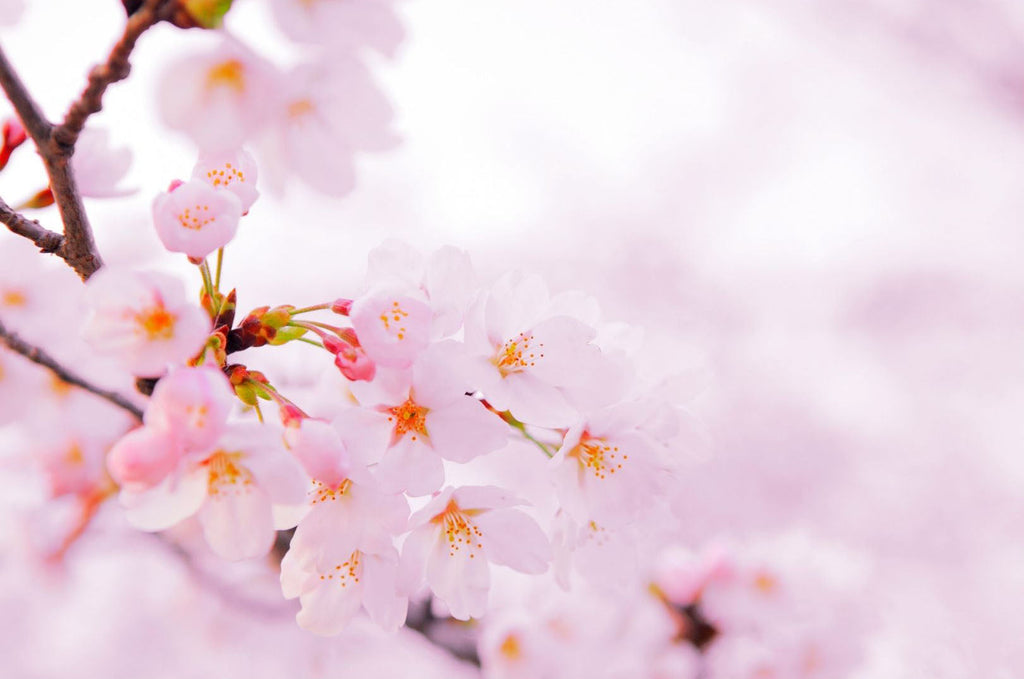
45	240
78	248
115	69
37	355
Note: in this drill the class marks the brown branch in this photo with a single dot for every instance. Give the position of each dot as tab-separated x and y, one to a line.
45	240
115	69
37	355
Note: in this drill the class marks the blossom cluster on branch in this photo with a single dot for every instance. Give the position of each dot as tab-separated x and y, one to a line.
475	442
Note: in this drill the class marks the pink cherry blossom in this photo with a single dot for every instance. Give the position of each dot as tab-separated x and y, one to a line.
195	218
392	328
608	468
98	167
143	458
193	404
231	170
530	359
455	537
143	320
318	447
327	112
344	24
445	279
411	420
218	98
232	488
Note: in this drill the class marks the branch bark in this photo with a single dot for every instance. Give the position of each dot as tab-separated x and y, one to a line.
56	145
45	240
37	355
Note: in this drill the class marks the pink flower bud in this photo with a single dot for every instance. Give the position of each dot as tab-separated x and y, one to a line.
354	363
341	306
144	457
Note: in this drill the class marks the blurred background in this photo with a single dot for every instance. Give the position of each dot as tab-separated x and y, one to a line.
813	209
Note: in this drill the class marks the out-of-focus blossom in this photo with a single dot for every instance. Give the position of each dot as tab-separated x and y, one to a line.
341	23
98	167
143	320
196	219
220	98
327	112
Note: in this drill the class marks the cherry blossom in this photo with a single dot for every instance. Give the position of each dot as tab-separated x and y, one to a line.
232	487
343	24
411	420
195	218
455	537
326	113
218	98
531	361
99	168
231	170
143	320
392	328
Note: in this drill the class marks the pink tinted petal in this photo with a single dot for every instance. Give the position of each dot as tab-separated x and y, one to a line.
382	603
567	353
318	447
485	497
536	402
194	403
461	582
465	429
237	522
328	609
144	457
366	434
279	475
415	552
511	538
393	329
297	573
162	506
410	466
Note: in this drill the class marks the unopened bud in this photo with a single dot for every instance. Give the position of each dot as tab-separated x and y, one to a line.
200	13
341	306
354	364
14	135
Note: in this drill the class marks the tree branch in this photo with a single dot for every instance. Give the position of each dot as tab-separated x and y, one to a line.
115	69
37	355
46	240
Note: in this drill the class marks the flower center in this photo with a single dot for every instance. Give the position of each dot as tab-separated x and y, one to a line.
225	176
14	298
323	493
156	322
347	572
229	74
195	221
597	456
408	417
393	317
226	472
300	108
459	531
517	354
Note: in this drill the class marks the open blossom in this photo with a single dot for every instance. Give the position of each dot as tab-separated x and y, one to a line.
195	218
610	469
392	328
326	113
531	358
98	167
218	98
341	23
411	420
143	319
234	171
458	534
341	557
445	279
